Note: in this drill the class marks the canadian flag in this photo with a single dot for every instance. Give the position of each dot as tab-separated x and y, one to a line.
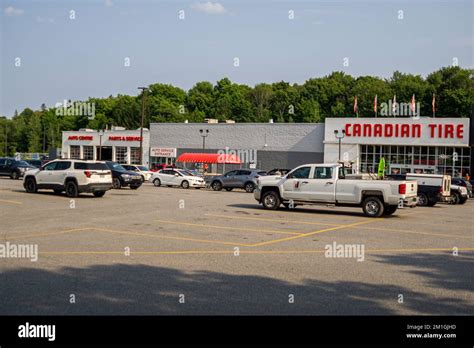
375	103
356	107
412	104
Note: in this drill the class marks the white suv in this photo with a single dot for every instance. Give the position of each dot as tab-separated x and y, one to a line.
69	175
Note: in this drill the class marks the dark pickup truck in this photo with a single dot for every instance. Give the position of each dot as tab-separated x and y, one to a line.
431	187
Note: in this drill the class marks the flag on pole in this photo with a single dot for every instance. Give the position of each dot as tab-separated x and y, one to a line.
412	104
394	105
433	105
375	105
356	107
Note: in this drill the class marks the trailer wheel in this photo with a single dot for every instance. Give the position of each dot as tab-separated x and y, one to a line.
372	207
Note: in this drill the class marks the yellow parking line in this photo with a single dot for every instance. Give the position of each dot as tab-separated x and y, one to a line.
417	232
226	227
170	237
255	252
273	220
47	234
12	202
313	233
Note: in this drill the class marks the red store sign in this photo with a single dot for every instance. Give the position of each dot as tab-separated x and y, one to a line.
389	130
123	138
81	137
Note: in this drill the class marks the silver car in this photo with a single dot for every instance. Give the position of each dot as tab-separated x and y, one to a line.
240	178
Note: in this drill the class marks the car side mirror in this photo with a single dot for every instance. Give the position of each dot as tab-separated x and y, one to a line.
176	174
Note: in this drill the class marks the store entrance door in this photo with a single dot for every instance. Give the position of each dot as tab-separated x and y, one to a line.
106	153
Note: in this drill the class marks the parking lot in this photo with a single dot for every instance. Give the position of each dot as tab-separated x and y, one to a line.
160	250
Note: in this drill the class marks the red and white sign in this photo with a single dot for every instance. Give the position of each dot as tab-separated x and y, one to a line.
123	138
163	152
81	137
400	131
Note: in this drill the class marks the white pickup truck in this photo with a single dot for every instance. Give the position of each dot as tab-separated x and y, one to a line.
327	184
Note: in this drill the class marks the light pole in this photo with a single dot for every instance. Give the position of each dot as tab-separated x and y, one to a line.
204	135
141	123
339	137
101	134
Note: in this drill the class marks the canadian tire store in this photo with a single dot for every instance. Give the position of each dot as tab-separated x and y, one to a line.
409	145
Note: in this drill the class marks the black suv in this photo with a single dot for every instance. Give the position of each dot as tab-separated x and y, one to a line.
13	168
122	177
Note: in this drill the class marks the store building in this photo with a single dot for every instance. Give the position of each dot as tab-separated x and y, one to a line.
414	145
258	145
118	144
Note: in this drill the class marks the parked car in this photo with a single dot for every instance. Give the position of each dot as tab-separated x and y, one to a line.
177	177
240	178
432	188
463	182
35	163
142	170
72	176
157	167
13	168
327	184
122	177
459	194
278	171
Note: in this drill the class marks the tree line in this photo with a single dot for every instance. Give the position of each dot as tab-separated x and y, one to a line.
313	101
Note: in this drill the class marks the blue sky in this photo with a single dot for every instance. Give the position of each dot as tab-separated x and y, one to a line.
63	58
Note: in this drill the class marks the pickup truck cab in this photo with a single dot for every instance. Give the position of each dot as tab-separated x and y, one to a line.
327	184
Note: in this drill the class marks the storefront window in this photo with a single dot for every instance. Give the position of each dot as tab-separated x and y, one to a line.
135	155
75	152
88	152
121	154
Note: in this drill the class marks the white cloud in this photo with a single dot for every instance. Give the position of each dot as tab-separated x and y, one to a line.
109	3
209	7
11	11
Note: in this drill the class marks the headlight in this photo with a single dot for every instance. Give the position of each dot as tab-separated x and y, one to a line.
125	176
22	169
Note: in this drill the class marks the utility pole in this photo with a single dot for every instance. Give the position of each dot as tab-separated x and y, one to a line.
141	123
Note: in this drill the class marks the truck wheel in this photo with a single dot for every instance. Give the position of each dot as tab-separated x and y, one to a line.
99	193
432	203
456	198
372	207
216	186
389	210
185	184
271	200
15	175
30	185
422	200
116	183
71	189
157	182
462	200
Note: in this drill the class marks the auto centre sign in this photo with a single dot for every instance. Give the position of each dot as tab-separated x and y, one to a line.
163	152
400	131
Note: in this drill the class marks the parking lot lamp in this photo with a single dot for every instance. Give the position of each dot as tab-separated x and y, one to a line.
101	134
141	123
339	136
204	135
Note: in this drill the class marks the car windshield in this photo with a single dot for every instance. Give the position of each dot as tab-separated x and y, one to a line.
185	172
117	166
143	168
